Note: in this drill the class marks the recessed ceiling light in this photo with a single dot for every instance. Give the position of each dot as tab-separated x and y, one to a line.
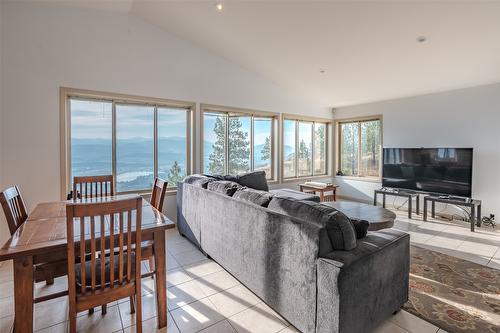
219	7
421	39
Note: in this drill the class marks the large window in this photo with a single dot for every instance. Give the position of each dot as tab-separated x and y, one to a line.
235	143
135	141
360	146
91	137
304	148
134	147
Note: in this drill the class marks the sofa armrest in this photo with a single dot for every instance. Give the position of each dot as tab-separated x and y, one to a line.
359	289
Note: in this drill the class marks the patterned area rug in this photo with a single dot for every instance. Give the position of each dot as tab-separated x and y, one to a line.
454	294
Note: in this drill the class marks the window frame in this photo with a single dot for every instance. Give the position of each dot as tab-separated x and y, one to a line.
66	94
338	146
313	120
239	112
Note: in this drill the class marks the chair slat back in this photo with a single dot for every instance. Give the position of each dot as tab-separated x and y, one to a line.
93	186
158	193
99	225
13	208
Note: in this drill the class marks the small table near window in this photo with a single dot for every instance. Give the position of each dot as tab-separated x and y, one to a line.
322	190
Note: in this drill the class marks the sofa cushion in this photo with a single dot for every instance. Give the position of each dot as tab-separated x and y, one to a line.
339	227
216	177
361	227
223	186
256	180
198	180
289	193
261	198
232	178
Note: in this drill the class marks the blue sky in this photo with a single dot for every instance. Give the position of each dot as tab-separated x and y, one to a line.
93	120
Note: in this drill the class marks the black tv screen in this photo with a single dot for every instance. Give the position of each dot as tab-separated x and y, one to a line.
435	170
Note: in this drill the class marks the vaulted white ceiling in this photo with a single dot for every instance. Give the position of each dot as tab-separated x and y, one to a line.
368	50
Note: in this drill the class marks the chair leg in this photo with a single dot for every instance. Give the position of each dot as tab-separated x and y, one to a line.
91	311
151	265
132	307
138	314
72	323
104	309
72	318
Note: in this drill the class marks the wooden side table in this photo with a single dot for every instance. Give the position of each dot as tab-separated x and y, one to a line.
322	190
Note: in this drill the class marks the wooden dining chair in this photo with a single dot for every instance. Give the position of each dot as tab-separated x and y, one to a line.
158	193
112	227
13	208
157	197
92	186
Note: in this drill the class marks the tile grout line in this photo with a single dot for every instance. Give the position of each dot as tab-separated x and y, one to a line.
173	320
120	314
227	318
404	329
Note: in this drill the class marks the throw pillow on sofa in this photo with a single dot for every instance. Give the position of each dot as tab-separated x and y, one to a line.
361	227
256	180
261	198
224	186
339	227
198	180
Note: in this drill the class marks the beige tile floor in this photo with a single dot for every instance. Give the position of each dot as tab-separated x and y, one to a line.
202	297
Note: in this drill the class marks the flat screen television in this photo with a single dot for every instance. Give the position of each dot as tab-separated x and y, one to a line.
445	171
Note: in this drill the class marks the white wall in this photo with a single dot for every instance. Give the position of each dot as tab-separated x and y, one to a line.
4	230
461	118
46	46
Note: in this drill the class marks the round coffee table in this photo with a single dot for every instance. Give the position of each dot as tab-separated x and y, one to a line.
378	217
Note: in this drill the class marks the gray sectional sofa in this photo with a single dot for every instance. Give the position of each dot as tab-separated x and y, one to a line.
297	256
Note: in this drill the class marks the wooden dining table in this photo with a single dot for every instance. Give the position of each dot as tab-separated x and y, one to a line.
42	239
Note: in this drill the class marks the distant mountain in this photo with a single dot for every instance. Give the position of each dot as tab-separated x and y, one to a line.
93	156
138	152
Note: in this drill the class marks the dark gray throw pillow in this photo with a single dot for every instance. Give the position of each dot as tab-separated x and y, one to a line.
224	186
261	198
198	180
232	178
339	227
256	180
361	227
216	177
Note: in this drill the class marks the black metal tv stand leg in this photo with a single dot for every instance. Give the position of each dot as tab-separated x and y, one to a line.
410	204
479	216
